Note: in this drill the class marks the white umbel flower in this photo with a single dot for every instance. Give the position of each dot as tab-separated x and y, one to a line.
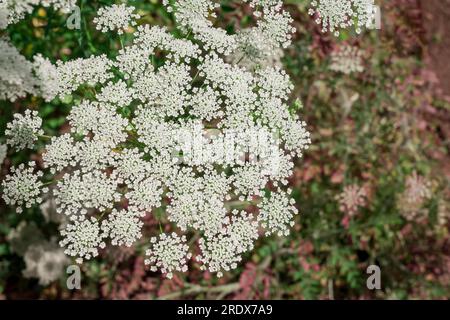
148	38
277	213
24	130
60	153
334	15
243	230
123	227
22	187
116	93
16	73
47	77
166	90
116	17
193	15
255	51
145	194
206	104
131	166
77	192
91	71
199	127
82	239
168	253
249	180
100	119
17	9
219	253
94	154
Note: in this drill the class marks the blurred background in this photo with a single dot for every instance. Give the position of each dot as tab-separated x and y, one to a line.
372	189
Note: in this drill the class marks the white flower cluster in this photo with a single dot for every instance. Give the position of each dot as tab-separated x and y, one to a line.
22	187
77	192
169	253
116	17
19	77
91	71
24	131
82	239
46	77
347	60
277	212
123	227
14	10
255	51
129	146
334	15
223	251
16	73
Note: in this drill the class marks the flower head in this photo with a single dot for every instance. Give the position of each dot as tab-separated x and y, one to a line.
24	131
82	239
115	17
168	253
334	15
123	227
22	187
277	213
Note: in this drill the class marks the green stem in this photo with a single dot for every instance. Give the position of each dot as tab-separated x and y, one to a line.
195	77
48	183
240	59
121	42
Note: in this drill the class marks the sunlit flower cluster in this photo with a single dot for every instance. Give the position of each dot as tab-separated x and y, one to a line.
168	253
24	131
82	239
16	73
203	133
115	17
334	15
15	10
23	187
